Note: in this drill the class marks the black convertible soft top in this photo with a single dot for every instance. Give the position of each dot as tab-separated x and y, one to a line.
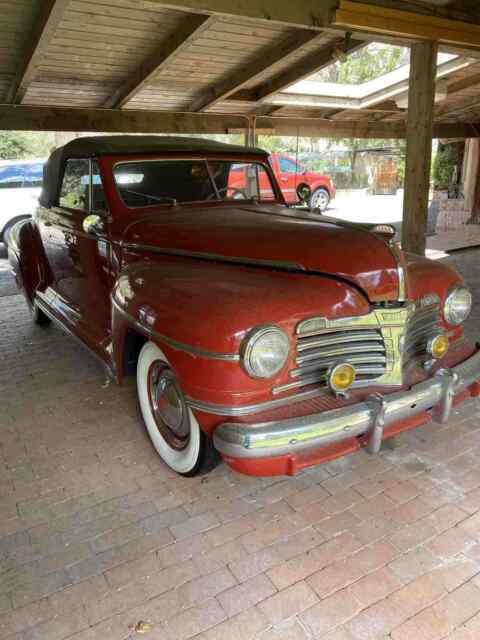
95	146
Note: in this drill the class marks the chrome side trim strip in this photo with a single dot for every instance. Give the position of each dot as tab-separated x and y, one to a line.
217	257
174	344
249	409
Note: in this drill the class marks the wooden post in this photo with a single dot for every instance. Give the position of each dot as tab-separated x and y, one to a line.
421	100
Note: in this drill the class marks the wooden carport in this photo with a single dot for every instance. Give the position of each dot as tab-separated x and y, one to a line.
216	66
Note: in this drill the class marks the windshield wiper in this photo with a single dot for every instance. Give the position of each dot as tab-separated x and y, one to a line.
172	201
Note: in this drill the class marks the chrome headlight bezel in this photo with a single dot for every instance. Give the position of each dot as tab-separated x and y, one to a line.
455	316
250	347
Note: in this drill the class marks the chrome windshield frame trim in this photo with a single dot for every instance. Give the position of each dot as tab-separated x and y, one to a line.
174	344
297	434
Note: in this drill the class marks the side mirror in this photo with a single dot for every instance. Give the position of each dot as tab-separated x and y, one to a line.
93	224
304	192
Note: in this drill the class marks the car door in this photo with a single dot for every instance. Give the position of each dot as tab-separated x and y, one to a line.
288	178
79	260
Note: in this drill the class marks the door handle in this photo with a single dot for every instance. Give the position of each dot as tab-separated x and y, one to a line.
283	179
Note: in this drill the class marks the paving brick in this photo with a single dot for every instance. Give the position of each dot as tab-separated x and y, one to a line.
330	613
344	572
427	625
115	601
227	532
193	621
304	565
273	532
289	630
194	525
374	587
246	595
245	626
335	525
170	578
411	536
450	543
255	563
288	603
341	501
414	564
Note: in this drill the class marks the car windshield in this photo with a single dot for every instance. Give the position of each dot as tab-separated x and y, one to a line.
148	182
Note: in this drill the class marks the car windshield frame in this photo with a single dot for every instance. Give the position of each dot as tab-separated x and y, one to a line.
276	196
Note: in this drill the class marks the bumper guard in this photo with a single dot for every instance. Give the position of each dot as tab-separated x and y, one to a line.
294	435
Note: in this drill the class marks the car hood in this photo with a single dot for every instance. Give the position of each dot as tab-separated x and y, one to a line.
271	236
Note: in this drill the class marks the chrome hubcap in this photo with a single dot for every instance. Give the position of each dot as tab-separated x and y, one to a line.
320	201
168	405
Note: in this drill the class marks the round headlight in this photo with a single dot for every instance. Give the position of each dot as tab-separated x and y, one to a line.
457	306
265	351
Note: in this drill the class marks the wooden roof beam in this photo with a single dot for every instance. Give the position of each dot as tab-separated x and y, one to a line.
29	118
51	14
181	38
315	14
250	71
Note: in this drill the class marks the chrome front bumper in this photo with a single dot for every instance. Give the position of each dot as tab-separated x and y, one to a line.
267	439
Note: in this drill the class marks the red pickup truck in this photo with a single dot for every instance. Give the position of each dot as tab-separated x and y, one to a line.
291	176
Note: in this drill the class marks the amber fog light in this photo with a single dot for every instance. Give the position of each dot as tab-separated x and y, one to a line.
438	346
341	377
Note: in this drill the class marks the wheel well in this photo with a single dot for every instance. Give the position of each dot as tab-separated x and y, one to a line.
322	188
10	224
132	345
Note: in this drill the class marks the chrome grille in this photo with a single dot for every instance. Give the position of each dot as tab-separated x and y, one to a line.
364	348
424	323
380	345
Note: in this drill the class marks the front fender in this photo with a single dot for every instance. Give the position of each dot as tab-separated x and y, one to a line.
199	312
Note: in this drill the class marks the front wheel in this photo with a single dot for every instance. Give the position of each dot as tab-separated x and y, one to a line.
171	425
319	200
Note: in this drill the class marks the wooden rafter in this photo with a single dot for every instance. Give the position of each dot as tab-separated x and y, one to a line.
51	14
190	28
250	71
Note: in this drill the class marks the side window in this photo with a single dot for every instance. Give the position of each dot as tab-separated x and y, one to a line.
287	166
99	202
76	185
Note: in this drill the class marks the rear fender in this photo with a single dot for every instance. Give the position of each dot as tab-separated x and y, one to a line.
26	257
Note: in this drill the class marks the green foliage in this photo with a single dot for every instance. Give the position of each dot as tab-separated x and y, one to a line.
364	65
444	165
16	145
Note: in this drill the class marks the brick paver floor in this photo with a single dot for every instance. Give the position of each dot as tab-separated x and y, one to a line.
99	541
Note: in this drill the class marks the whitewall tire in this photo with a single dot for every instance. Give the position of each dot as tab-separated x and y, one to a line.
171	425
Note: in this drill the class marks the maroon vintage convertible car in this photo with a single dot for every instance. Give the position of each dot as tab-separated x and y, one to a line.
278	339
